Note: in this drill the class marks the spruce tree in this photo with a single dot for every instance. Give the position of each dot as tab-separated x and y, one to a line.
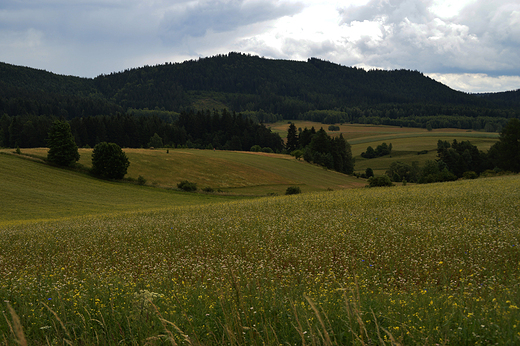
292	138
63	150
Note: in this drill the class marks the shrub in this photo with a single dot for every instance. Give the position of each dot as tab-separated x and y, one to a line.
267	150
109	161
141	180
208	189
293	190
155	141
383	180
369	172
256	148
470	175
297	154
187	186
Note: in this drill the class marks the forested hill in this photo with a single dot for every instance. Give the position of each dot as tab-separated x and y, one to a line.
263	90
278	86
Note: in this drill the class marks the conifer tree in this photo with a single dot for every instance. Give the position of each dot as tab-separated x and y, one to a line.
63	150
292	138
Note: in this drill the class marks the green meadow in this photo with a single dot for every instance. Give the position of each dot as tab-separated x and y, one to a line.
245	173
92	262
434	264
406	150
35	191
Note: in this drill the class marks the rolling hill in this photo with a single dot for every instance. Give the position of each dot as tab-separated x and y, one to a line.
33	190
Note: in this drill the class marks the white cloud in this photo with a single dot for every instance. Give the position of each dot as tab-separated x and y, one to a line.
477	82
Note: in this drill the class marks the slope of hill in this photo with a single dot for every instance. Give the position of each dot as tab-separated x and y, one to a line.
241	83
33	190
241	79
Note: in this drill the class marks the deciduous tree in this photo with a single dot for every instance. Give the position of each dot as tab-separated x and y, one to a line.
109	161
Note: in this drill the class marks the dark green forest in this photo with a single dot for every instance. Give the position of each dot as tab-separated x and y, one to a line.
130	106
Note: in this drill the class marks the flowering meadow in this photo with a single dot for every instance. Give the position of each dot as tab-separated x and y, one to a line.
429	264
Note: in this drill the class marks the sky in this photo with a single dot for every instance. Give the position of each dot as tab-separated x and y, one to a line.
469	45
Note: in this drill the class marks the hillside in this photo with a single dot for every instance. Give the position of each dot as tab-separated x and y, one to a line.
240	83
230	96
33	190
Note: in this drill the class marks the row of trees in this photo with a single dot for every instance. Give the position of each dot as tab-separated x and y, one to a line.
220	129
381	150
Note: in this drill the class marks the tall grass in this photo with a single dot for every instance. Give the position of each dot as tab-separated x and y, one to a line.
434	264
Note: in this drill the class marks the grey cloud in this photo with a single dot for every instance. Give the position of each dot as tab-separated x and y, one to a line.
220	16
484	37
394	11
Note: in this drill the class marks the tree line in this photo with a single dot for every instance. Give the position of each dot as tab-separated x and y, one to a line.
202	129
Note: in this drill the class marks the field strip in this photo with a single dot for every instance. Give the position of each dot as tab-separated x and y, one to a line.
413	135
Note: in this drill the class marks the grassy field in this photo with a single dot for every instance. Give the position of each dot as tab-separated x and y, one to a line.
406	150
236	172
434	264
362	133
406	142
35	191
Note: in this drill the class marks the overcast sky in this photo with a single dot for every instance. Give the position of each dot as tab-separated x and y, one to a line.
470	45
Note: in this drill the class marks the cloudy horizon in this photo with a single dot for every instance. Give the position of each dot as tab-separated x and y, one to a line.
469	45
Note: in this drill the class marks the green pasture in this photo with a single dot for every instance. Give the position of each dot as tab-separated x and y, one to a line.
36	191
363	133
406	150
236	172
433	264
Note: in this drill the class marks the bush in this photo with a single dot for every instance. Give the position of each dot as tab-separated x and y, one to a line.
380	181
109	161
297	154
293	190
208	189
187	186
470	175
155	141
256	148
141	180
267	150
